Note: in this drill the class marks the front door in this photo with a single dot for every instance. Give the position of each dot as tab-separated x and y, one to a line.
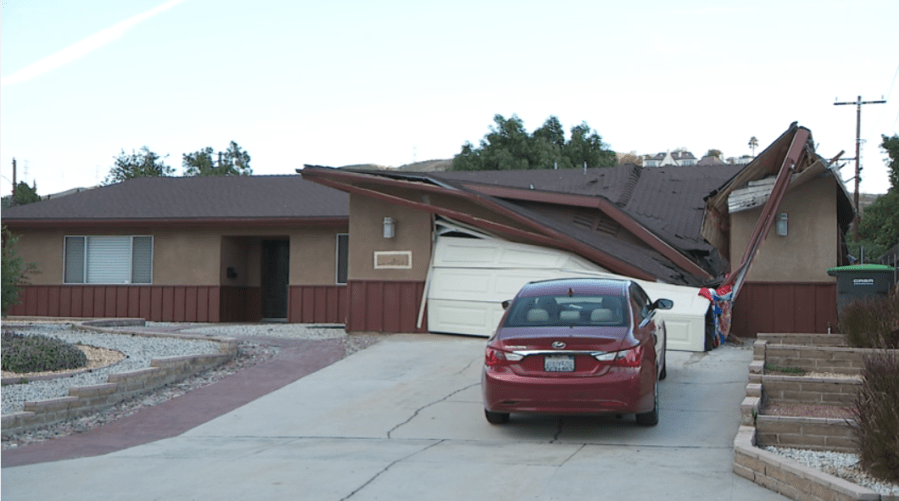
275	277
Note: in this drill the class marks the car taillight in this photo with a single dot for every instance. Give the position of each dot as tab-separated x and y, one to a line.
624	358
494	357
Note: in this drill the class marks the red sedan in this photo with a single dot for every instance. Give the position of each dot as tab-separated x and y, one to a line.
577	346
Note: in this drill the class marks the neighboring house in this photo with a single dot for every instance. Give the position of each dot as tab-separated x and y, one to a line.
672	158
710	160
208	249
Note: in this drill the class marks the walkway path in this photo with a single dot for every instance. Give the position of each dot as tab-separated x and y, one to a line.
296	358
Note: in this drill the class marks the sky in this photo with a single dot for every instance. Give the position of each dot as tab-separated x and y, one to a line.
393	82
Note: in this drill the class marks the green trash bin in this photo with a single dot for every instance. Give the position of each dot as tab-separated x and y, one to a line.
862	280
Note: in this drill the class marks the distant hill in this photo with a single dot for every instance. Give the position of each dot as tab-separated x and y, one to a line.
426	166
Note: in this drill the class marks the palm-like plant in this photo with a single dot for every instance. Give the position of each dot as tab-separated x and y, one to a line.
753	144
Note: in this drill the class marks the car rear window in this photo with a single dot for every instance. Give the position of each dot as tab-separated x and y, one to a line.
543	311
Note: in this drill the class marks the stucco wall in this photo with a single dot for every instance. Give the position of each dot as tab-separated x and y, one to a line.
413	234
44	249
811	245
198	256
313	257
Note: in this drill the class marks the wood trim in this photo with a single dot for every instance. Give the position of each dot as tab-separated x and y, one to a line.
384	306
317	304
153	302
788	307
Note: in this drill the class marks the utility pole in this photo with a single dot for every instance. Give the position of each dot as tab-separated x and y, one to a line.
858	170
12	201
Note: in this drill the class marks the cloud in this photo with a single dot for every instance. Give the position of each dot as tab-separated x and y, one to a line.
84	47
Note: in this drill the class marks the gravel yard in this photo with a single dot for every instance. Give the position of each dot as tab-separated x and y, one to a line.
140	349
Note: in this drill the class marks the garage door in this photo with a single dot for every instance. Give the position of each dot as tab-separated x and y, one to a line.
470	277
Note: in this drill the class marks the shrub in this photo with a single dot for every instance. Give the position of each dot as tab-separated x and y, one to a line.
39	353
876	416
872	322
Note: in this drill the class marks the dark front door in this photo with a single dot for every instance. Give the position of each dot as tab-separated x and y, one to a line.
275	276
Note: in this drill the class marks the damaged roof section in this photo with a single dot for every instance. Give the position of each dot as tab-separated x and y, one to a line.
751	187
643	223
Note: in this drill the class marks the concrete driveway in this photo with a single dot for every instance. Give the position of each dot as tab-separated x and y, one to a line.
404	420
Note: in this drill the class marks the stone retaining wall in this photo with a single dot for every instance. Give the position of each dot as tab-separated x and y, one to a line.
804	339
789	478
781	474
817	434
810	390
119	386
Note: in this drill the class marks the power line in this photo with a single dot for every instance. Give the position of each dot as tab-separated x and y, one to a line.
858	170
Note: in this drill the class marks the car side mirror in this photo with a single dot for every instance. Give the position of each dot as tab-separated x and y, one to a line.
506	304
663	304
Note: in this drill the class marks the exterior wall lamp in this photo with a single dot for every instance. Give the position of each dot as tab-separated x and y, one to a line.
389	227
780	226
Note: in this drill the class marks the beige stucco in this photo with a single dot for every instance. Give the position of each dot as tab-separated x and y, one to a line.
811	244
313	257
413	234
198	256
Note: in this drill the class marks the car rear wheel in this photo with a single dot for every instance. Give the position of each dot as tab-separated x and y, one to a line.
651	418
496	417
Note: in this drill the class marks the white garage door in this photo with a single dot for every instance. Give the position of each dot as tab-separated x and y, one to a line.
470	277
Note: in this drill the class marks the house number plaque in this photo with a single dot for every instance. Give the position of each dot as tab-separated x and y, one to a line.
393	260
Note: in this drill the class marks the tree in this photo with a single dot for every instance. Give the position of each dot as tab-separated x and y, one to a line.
24	195
13	271
143	163
879	226
753	144
714	153
508	146
234	161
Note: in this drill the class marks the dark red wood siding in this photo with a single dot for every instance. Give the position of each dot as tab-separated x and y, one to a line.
800	307
240	304
325	304
384	306
152	302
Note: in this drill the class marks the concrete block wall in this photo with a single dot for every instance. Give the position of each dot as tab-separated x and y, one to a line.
817	434
810	390
781	474
804	339
789	478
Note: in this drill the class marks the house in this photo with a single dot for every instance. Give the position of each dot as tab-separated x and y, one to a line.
678	157
398	251
440	251
207	249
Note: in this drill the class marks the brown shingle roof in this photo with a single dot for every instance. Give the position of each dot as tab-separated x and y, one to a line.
666	200
192	198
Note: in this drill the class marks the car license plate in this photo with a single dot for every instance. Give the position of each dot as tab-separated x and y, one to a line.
558	363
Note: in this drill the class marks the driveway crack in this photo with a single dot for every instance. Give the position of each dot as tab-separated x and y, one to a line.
376	475
417	411
558	430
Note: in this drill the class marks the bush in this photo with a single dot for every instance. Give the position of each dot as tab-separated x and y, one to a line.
872	322
876	415
39	353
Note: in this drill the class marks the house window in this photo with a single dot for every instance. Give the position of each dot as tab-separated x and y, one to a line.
343	249
109	260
